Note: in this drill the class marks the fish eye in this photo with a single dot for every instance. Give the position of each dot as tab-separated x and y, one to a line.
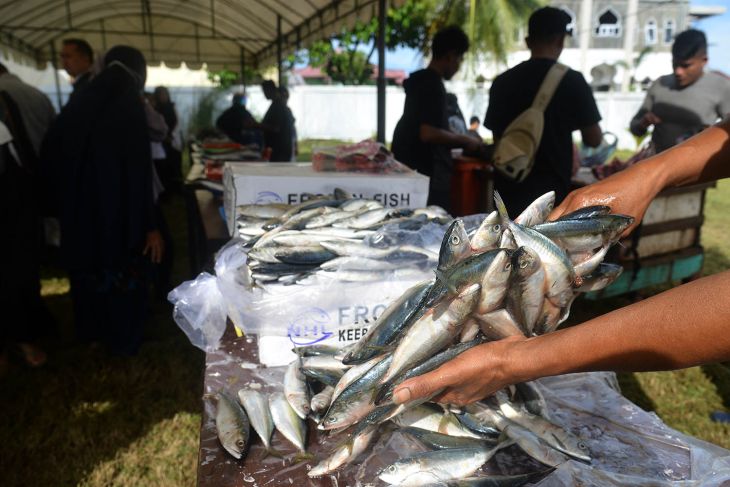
508	265
496	227
455	240
332	419
392	469
240	443
582	445
523	264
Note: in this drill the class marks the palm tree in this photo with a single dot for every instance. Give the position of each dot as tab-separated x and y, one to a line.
491	24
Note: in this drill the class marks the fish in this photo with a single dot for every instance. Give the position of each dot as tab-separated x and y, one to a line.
440	441
357	399
528	396
440	465
316	350
354	373
256	406
589	265
431	418
533	446
365	219
385	394
537	211
296	390
233	426
586	233
433	331
469	330
360	204
287	421
329	219
360	264
324	362
396	318
526	289
488	234
327	377
586	212
498	324
455	246
600	278
294	238
496	480
550	433
559	271
315	254
268	211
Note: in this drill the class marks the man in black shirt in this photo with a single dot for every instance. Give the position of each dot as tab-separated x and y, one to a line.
571	108
236	121
422	139
77	58
277	125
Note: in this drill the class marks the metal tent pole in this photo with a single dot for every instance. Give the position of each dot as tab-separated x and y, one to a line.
278	50
381	70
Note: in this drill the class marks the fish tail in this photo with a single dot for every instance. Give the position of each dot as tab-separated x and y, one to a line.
303	456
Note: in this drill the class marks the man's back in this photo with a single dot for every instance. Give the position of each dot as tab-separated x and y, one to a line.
571	108
686	111
279	116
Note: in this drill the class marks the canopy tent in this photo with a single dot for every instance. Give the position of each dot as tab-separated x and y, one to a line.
220	33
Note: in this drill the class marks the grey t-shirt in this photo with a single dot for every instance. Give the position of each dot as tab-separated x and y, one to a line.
683	111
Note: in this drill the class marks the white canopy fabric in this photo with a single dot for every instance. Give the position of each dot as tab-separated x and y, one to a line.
221	33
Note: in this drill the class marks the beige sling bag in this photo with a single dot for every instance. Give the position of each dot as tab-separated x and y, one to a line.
514	155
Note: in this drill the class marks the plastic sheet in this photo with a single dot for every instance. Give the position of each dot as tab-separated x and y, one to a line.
367	156
629	446
199	311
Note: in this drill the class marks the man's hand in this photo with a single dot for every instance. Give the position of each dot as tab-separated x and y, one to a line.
649	119
154	246
469	377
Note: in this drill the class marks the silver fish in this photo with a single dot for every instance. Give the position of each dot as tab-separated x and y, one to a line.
499	324
329	219
455	246
440	441
354	373
432	419
359	264
440	466
600	278
232	425
488	234
533	446
287	421
433	331
527	289
365	219
324	362
347	452
272	210
538	211
296	390
553	435
257	408
469	330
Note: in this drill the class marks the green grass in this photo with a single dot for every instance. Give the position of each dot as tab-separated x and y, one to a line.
88	419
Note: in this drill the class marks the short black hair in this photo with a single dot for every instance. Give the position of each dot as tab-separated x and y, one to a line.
689	44
548	23
267	84
83	47
473	119
449	39
237	98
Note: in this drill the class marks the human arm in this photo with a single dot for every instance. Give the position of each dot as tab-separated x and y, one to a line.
672	330
645	117
592	135
434	135
154	246
699	159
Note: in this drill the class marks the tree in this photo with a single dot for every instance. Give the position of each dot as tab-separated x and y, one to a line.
490	24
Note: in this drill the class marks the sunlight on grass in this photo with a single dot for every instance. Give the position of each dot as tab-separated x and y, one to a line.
92	408
54	286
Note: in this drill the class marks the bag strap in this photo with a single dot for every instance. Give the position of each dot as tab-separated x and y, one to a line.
548	86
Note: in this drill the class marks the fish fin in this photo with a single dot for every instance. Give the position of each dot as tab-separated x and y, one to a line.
501	208
441	277
444	422
272	452
303	456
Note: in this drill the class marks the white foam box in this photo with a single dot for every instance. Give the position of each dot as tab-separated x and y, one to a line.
290	182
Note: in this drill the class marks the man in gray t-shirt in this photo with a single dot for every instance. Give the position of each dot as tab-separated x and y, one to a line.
681	104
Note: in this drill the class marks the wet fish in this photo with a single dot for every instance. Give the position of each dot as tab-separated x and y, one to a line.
550	433
526	289
329	219
431	418
287	421
398	316
365	219
440	441
533	446
586	212
488	234
586	233
321	400
559	272
455	246
354	373
256	406
496	480
296	390
433	331
499	324
304	255
327	377
268	211
440	466
362	264
537	211
600	278
316	349
232	425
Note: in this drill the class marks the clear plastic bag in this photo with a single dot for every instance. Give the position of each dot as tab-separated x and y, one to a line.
199	311
366	156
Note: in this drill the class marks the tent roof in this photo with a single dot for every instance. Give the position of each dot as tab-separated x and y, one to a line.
217	32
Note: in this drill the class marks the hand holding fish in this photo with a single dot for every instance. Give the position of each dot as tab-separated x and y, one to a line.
699	159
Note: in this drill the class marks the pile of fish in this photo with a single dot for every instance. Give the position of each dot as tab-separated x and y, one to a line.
511	277
288	243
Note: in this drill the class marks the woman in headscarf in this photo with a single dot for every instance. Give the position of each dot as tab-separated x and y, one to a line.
98	164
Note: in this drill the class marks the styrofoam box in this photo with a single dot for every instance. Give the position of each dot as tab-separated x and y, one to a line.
288	182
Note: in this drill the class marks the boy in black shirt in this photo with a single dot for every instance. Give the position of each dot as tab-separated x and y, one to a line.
571	108
422	139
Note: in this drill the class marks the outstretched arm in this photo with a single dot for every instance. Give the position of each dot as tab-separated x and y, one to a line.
704	157
682	327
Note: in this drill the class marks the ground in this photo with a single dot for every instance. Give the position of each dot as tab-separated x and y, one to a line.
87	419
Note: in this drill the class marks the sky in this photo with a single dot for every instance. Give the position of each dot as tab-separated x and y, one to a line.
716	29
